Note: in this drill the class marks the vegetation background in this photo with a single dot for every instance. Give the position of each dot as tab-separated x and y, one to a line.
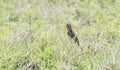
33	34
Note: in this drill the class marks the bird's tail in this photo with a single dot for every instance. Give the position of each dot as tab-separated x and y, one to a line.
77	41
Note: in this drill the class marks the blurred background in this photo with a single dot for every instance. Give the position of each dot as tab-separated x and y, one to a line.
33	35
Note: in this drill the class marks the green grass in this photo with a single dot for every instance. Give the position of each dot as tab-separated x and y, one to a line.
33	35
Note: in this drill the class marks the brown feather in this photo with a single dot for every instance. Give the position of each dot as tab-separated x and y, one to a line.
71	34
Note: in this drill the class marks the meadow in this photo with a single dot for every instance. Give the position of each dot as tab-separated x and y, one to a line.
33	35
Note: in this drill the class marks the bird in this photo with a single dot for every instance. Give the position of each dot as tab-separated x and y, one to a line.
71	34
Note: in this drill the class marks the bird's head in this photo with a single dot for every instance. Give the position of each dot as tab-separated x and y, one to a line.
68	26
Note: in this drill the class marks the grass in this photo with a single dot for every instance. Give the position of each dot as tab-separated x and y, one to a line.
33	35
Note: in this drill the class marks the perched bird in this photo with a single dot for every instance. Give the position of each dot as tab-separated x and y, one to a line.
71	34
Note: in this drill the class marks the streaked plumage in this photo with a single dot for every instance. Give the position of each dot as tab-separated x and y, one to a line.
71	34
